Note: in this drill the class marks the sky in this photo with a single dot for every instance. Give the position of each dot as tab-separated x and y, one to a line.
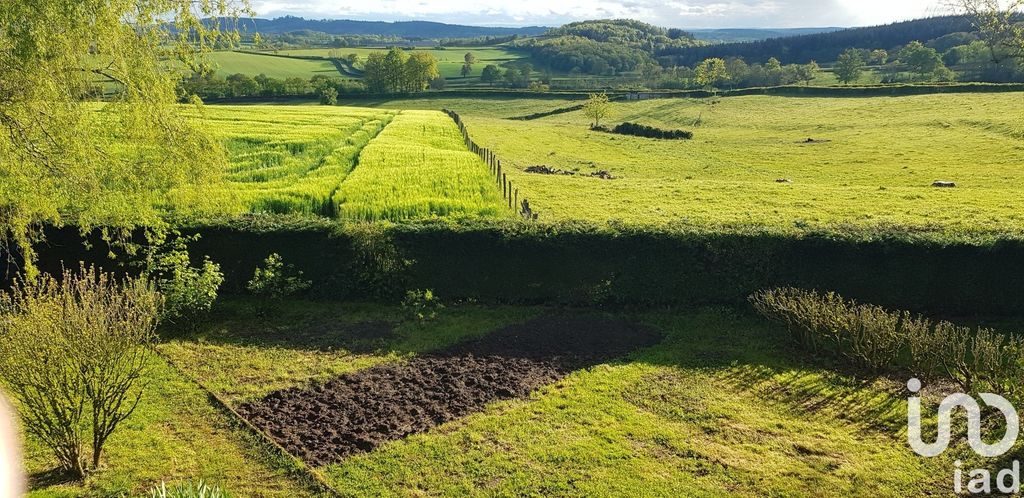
692	14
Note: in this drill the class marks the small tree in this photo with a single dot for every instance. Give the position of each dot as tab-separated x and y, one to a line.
490	74
469	58
275	280
807	72
597	107
879	57
329	96
849	66
711	73
189	292
466	70
73	354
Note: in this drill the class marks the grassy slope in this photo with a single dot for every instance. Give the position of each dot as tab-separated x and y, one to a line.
229	63
721	406
883	156
176	434
419	167
449	61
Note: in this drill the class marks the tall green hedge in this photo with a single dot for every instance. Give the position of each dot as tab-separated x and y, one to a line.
587	263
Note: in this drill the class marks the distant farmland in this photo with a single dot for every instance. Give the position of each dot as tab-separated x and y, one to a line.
229	63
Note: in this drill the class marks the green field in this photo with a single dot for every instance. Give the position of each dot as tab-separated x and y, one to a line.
298	160
228	63
874	164
449	60
694	415
418	168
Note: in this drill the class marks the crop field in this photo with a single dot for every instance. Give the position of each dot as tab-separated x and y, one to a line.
418	167
449	60
303	160
869	161
228	63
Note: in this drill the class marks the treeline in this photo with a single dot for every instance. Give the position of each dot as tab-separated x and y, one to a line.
396	71
261	85
821	46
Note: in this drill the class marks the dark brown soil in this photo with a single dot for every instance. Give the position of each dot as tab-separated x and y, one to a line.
355	413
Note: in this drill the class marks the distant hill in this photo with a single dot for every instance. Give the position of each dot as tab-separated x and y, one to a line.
821	47
733	35
604	46
403	29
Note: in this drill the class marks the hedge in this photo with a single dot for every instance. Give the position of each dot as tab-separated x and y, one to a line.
581	263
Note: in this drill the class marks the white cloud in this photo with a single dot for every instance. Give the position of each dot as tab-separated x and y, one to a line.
671	13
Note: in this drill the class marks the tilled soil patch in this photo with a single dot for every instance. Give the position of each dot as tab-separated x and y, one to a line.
357	412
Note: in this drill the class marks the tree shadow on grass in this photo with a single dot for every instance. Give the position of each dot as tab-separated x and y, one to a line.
53	477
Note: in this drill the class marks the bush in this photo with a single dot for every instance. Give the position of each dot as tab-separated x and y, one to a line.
275	280
640	130
875	338
188	490
189	292
422	305
73	354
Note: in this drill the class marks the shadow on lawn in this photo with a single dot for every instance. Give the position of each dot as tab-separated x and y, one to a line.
52	477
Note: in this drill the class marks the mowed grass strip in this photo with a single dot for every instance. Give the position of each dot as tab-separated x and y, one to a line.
283	159
419	167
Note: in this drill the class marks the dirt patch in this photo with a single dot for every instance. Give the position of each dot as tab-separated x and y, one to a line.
355	413
814	141
548	170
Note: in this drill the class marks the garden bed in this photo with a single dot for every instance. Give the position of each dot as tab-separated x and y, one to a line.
357	412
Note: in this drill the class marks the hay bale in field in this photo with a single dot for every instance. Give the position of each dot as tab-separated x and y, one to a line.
943	184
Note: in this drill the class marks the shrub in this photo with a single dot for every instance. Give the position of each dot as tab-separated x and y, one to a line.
73	354
189	292
422	305
275	280
876	339
188	490
329	96
640	130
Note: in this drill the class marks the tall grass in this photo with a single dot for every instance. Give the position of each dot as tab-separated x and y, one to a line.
418	168
282	159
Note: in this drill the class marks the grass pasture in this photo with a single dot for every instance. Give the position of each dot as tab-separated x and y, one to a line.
418	167
228	63
872	162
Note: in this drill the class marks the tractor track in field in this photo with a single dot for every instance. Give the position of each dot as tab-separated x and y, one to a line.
355	413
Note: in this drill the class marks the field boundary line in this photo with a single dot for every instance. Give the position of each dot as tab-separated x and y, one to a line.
509	192
309	476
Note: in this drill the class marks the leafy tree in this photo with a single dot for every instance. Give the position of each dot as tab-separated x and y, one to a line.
437	83
849	66
879	57
469	58
329	96
998	24
711	73
275	280
924	61
189	292
74	353
60	160
466	70
597	107
420	70
490	74
807	72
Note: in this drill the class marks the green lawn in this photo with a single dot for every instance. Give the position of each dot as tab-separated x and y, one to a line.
723	406
229	63
876	167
